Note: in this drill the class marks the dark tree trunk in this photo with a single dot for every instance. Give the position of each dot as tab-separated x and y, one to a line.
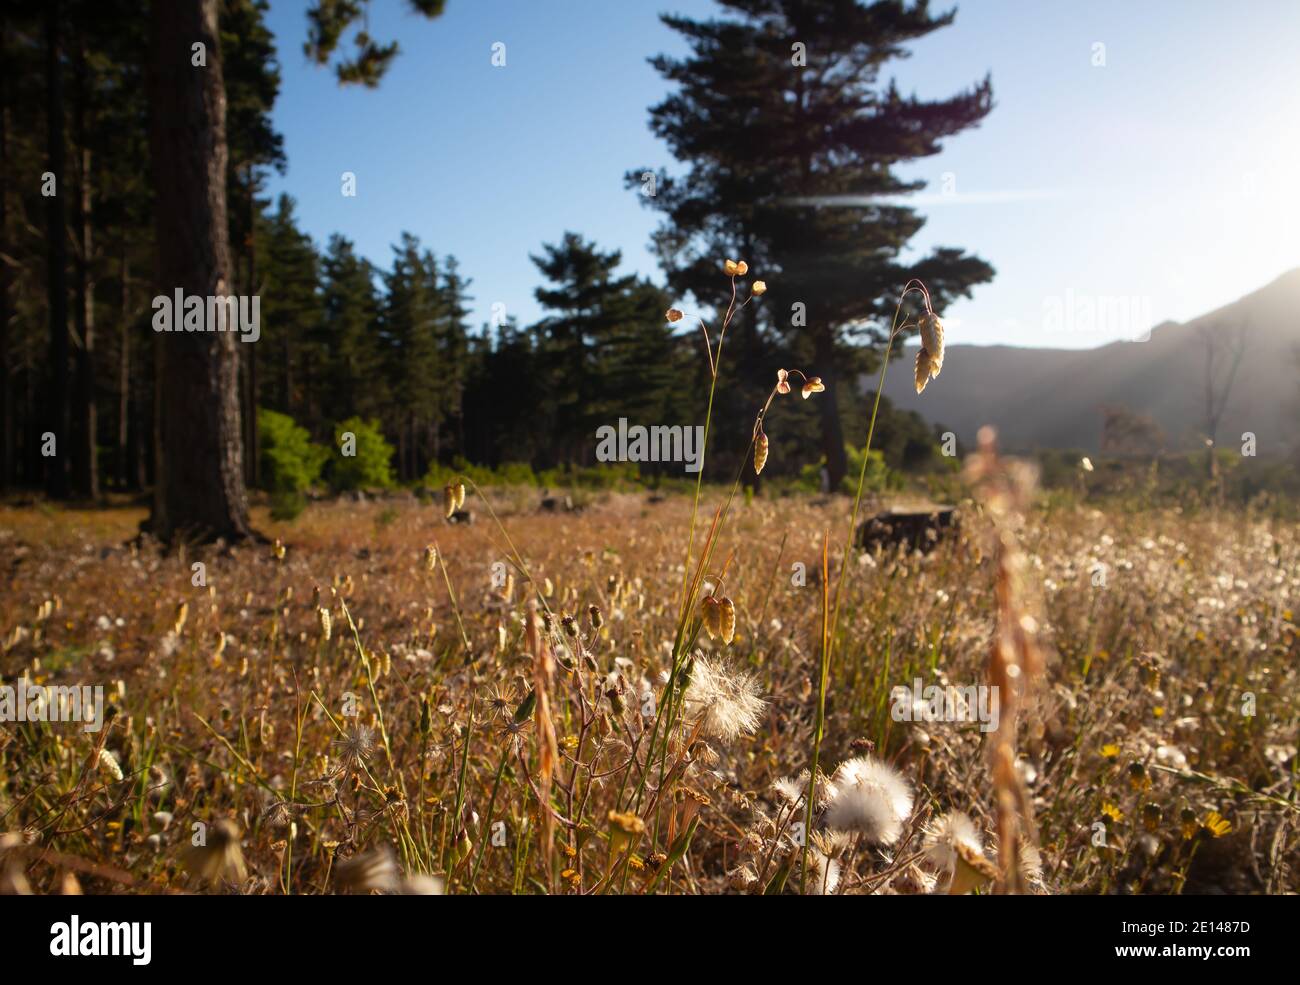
29	442
143	438
124	375
57	416
6	377
837	462
85	465
199	487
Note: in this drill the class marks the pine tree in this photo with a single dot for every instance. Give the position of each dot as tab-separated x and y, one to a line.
792	136
290	307
453	353
349	333
58	415
604	345
410	333
507	401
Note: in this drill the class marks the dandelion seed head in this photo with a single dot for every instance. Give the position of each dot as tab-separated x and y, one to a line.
357	745
870	798
725	702
944	834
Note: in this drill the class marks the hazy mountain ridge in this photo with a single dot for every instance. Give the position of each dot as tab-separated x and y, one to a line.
1053	398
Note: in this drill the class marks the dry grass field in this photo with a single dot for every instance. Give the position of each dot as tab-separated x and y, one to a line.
384	702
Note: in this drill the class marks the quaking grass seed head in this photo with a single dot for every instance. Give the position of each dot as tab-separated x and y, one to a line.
922	369
929	358
760	453
711	610
931	330
727	620
454	497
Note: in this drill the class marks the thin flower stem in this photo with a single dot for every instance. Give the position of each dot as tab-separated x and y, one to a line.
866	458
822	681
714	363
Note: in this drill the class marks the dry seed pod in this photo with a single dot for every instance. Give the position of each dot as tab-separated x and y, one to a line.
727	626
922	369
730	268
712	611
932	340
323	615
758	288
430	559
449	499
742	268
674	314
970	870
460	495
782	381
814	385
760	453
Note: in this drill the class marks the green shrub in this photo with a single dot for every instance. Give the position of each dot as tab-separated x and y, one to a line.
615	475
879	475
290	462
370	464
287	506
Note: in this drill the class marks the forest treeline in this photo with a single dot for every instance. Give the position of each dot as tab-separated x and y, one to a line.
392	343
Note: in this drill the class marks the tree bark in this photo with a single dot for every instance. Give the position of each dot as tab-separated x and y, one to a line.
57	416
124	374
6	383
85	465
200	490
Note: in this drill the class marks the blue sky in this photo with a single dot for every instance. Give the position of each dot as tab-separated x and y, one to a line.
1159	170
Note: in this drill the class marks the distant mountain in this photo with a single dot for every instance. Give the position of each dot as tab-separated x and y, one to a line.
1053	398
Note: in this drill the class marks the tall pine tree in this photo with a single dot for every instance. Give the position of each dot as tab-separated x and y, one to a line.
606	348
349	334
791	135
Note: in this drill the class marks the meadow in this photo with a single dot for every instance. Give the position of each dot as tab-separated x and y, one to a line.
381	700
